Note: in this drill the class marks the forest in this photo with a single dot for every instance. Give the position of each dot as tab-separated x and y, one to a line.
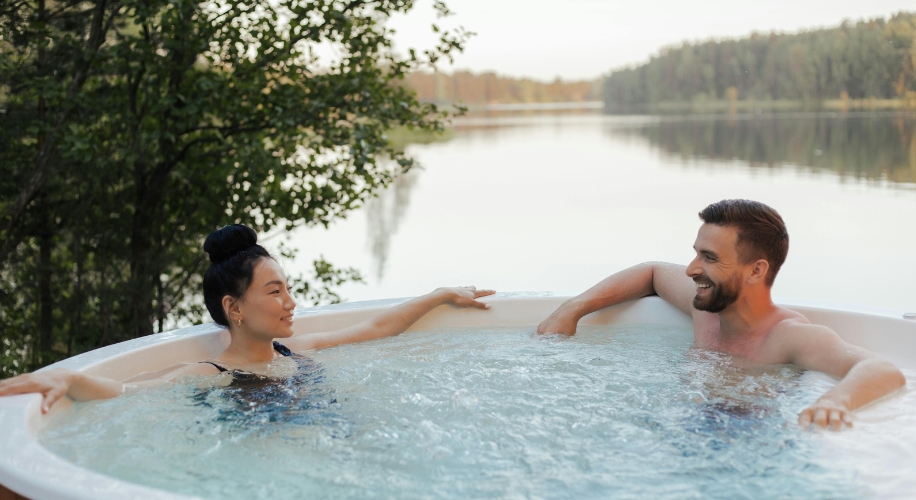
465	87
869	60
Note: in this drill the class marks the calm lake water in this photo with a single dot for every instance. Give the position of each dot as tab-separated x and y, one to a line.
558	202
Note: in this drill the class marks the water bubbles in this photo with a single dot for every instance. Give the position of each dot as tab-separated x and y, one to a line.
636	397
695	397
464	399
612	412
417	399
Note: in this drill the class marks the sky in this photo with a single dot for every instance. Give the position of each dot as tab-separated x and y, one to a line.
584	39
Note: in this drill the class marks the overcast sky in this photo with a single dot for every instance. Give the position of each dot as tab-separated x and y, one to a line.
583	39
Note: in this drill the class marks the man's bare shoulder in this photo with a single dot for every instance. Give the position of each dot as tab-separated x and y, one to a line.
796	324
792	327
794	338
816	347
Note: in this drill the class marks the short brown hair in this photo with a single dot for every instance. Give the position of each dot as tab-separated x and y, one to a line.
761	232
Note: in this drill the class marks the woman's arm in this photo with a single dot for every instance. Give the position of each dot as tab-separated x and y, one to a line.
54	384
393	321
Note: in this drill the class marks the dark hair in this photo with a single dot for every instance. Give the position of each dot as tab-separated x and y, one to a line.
233	252
761	232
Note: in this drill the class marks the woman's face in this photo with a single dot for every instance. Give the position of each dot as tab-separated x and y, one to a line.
267	307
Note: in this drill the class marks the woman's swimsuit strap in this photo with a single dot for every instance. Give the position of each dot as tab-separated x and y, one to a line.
280	348
218	367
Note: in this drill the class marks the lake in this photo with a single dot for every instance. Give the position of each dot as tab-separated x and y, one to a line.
556	202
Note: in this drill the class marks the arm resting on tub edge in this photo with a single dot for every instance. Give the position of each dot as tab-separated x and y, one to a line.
393	321
864	376
54	384
668	281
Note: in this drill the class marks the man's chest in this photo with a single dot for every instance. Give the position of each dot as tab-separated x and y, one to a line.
752	348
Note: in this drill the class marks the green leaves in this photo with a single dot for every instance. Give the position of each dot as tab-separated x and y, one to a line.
156	121
320	289
875	58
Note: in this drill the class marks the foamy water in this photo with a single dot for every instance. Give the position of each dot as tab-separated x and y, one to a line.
625	411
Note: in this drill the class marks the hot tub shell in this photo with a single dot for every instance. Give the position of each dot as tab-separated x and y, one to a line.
29	469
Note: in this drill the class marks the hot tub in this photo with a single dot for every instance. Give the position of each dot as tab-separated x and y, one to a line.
29	469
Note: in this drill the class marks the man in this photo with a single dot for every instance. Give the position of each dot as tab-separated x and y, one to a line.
726	290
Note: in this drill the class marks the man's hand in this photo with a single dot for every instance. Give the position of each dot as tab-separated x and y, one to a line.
563	320
826	414
864	377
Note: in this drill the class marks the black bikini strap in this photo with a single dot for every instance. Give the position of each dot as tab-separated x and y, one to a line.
282	349
218	367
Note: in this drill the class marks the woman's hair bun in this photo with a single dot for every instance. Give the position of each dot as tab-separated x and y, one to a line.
228	241
234	253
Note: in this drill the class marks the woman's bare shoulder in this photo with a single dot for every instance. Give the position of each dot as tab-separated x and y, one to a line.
174	371
301	343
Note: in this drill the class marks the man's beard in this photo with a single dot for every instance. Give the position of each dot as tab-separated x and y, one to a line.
720	295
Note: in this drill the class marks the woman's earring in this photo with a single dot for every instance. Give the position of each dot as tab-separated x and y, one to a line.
240	322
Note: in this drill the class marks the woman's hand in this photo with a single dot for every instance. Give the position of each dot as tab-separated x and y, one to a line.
52	385
465	296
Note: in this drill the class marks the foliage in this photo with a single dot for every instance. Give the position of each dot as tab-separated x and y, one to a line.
489	88
135	127
860	60
401	137
325	278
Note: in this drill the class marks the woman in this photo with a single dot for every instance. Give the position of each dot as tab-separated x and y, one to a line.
245	290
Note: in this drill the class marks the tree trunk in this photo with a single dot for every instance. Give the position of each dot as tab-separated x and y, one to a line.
146	234
45	298
142	269
76	324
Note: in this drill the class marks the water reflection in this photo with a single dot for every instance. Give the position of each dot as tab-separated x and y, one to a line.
560	201
867	146
384	214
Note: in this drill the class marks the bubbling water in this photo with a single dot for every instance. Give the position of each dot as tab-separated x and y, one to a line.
623	411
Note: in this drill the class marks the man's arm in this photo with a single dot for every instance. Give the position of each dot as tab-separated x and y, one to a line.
668	281
864	376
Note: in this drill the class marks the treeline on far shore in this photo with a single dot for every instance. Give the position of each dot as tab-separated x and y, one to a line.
857	65
465	87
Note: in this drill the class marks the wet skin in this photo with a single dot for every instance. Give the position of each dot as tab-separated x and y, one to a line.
733	312
262	314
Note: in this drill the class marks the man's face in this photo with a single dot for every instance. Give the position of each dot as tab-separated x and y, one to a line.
716	269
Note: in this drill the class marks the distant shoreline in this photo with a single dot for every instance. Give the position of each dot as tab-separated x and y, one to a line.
758	106
536	106
704	106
